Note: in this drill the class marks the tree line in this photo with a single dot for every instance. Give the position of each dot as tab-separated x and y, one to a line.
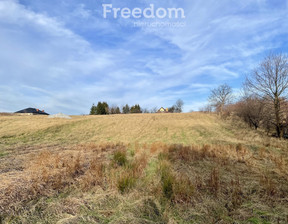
263	101
102	108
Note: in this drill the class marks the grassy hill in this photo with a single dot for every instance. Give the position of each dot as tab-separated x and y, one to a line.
142	168
193	128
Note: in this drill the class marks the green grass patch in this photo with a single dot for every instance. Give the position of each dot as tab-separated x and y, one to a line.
120	157
2	154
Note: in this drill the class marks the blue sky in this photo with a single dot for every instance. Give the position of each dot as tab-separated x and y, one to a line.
62	55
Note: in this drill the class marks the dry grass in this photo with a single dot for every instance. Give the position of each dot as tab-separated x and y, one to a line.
67	180
142	128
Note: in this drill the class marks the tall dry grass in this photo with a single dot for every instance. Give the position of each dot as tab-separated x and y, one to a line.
178	176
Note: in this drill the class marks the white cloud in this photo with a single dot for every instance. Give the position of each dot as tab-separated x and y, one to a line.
43	54
66	60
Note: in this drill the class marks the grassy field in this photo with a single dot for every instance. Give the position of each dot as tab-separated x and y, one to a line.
142	168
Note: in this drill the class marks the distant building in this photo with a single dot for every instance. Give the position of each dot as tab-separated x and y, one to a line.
31	111
162	110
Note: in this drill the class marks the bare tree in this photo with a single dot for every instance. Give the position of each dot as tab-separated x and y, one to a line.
270	81
145	111
206	108
179	106
154	110
251	110
220	97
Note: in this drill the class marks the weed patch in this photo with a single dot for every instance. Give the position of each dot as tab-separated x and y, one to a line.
120	158
126	183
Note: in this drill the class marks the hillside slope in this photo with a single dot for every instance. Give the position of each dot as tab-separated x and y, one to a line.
145	168
192	128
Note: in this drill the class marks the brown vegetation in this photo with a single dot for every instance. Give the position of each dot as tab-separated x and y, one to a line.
220	181
158	182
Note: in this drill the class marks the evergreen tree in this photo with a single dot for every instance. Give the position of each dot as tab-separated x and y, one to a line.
93	110
118	110
136	109
126	109
102	108
115	110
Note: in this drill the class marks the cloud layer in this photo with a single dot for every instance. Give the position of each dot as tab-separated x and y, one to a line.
63	56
